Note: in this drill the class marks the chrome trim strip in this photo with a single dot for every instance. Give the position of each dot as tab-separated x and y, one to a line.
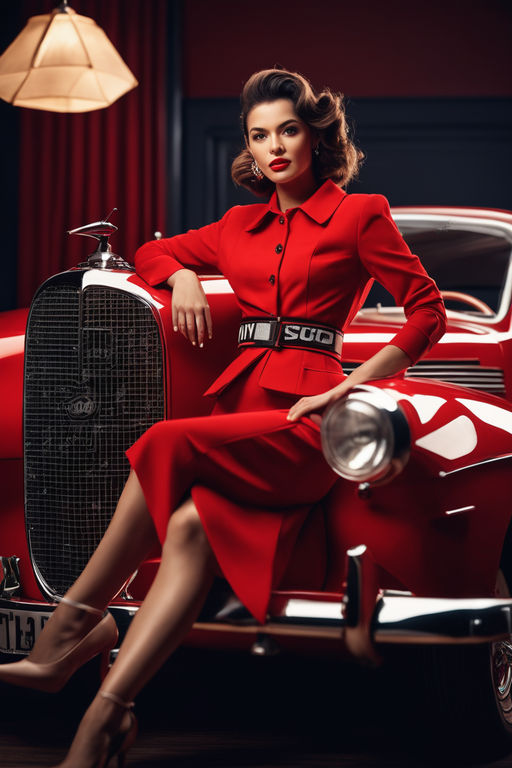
459	510
359	603
10	573
473	376
397	618
442	473
119	279
458	366
460	373
275	629
442	620
310	611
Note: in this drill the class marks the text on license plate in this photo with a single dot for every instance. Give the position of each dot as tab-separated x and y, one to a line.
20	629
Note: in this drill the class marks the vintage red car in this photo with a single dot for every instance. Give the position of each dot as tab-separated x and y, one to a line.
419	550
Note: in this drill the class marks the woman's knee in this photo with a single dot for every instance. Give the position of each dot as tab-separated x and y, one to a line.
185	527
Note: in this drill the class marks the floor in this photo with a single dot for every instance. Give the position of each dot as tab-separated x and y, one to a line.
230	710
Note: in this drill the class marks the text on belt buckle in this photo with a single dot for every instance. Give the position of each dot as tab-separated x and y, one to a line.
307	335
260	333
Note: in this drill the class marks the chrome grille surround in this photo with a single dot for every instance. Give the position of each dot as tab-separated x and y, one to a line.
94	382
465	373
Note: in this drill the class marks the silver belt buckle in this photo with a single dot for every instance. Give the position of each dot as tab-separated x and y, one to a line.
260	333
275	332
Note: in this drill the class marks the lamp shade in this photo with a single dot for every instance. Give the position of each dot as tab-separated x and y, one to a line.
63	62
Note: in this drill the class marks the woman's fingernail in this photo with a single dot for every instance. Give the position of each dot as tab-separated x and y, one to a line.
175	327
201	345
194	343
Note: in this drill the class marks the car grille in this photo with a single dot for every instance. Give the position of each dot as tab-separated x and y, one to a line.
465	373
93	385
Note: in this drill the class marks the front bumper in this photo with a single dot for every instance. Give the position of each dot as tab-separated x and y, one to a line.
362	619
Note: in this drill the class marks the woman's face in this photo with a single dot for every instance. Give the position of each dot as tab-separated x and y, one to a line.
280	142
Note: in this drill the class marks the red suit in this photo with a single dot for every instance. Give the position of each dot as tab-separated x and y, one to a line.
255	476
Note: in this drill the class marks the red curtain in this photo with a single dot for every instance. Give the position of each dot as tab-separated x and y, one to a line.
75	168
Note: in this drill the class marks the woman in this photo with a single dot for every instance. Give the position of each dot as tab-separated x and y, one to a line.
230	480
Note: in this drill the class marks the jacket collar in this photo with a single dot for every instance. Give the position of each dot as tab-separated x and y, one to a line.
319	207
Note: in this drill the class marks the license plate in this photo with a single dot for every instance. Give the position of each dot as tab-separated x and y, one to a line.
19	629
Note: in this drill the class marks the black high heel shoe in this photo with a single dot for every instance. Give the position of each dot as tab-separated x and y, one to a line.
53	676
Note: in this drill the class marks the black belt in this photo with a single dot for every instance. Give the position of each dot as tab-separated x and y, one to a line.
295	334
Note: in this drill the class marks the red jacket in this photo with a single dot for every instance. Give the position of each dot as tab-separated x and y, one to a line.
313	262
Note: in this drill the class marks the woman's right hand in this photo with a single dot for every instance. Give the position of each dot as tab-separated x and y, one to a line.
190	310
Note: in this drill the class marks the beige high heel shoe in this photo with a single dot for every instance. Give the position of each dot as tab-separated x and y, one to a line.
122	742
53	676
116	745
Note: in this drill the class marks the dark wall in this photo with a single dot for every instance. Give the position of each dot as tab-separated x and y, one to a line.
428	89
418	152
365	48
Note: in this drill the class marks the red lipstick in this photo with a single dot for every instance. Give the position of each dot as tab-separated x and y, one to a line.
279	164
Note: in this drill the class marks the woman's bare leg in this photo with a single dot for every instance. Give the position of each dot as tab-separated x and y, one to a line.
171	606
165	617
127	540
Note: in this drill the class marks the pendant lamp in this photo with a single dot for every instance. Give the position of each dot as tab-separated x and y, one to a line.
63	62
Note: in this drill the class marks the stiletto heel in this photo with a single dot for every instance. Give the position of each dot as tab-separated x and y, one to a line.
96	748
105	663
123	741
53	676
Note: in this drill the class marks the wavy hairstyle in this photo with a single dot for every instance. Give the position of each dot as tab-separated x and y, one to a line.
338	158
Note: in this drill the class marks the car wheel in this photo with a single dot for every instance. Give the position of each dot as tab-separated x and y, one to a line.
468	700
501	668
468	695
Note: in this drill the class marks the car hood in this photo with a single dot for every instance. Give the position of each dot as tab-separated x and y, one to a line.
391	319
464	340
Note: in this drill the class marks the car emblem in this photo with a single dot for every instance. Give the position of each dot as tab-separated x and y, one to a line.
81	407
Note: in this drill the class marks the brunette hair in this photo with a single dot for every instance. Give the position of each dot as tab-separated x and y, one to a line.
337	159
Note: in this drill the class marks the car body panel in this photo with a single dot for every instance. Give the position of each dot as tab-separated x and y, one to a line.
436	530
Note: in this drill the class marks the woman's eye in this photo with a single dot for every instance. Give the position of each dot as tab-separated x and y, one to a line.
258	136
291	130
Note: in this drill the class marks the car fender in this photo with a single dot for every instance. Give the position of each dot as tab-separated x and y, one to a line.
438	527
12	339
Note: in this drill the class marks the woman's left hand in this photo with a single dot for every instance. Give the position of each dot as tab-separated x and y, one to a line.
313	404
388	361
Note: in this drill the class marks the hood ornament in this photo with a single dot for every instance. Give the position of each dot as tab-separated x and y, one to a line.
102	257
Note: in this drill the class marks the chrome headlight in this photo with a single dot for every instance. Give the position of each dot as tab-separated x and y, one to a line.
365	435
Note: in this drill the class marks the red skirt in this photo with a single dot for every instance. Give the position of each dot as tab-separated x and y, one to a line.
253	476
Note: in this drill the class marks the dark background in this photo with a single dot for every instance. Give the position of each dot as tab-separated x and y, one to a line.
428	89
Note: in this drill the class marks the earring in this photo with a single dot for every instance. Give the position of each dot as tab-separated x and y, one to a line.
316	150
256	170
